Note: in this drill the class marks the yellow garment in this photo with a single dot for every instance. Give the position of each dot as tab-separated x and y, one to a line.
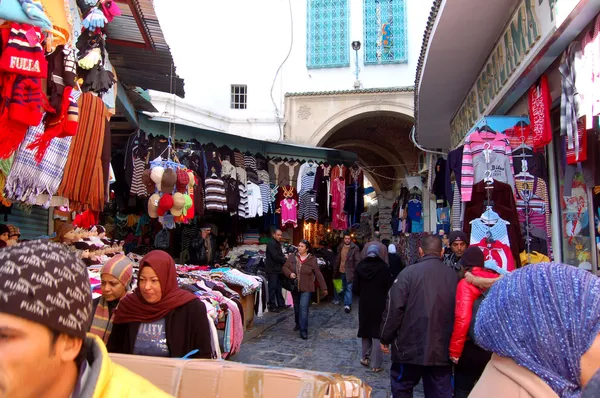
114	381
533	258
58	13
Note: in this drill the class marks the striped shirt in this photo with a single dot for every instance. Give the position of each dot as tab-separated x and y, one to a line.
215	194
267	203
475	144
307	183
243	206
308	207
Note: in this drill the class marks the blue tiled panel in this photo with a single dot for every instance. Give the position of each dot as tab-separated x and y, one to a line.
327	43
385	32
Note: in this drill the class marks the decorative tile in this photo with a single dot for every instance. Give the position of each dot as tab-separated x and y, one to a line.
385	32
327	42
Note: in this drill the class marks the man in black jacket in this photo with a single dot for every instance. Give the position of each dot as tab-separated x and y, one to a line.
418	322
203	249
273	263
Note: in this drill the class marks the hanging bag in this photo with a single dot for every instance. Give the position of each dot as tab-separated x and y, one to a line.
290	284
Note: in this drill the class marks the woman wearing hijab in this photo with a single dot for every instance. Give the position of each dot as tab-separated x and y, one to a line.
158	318
116	277
396	263
542	322
372	281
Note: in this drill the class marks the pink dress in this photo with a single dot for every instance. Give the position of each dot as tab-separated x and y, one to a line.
289	212
338	199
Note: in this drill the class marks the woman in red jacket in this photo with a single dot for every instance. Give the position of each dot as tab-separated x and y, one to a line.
469	358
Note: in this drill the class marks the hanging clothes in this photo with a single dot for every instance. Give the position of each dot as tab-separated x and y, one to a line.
243	209
251	170
289	212
475	144
533	205
304	184
355	202
497	165
255	205
308	207
323	188
489	225
338	201
498	256
540	101
83	181
215	200
570	101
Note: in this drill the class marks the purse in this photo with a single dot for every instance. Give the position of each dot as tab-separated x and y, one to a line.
290	284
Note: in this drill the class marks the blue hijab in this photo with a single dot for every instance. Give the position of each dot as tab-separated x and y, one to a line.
545	317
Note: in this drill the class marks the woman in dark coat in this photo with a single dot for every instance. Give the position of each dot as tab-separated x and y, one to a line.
160	319
372	280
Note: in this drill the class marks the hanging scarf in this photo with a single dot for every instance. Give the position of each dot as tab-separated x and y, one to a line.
133	308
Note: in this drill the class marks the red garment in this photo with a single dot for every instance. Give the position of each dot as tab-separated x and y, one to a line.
133	308
539	113
466	294
499	252
338	200
518	135
574	156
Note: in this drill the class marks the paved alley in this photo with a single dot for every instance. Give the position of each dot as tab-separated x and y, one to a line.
332	346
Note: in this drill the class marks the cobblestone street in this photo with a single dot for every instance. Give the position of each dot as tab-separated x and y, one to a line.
332	346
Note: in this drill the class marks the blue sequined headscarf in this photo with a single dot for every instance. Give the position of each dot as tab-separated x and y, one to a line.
545	317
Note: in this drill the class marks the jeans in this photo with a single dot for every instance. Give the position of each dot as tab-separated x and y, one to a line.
346	292
301	304
275	297
437	380
371	348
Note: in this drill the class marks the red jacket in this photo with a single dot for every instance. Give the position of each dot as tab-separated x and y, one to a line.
466	294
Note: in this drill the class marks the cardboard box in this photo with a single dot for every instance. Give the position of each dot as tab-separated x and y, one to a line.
222	379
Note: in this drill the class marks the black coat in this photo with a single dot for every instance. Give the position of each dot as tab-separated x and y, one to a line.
274	257
372	280
419	313
199	254
396	264
186	328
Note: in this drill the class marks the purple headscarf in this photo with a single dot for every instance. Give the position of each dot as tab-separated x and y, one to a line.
545	317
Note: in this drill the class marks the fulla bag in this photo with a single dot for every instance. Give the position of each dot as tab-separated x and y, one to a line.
290	284
338	285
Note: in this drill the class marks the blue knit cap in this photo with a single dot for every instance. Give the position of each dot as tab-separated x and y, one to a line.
545	317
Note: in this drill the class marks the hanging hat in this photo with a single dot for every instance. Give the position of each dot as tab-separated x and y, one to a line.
169	179
183	179
164	204
156	175
192	182
147	181
178	204
27	102
23	53
187	204
153	205
110	10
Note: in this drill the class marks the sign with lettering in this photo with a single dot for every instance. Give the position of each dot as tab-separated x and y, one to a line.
530	24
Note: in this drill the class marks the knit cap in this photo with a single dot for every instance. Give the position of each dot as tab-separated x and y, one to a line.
472	257
187	204
156	175
153	205
178	204
23	53
164	204
147	181
183	179
27	104
121	267
13	231
457	236
44	283
169	179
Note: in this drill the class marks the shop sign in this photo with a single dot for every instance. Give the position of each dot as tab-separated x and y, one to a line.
531	23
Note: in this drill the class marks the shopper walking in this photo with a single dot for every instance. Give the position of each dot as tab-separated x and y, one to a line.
348	258
116	277
417	322
45	311
273	263
303	267
383	250
396	263
458	242
470	359
372	281
543	325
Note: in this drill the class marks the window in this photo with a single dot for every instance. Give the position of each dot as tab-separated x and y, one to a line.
327	43
385	32
239	96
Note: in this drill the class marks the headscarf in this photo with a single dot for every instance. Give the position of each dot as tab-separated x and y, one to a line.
133	308
392	249
121	268
545	317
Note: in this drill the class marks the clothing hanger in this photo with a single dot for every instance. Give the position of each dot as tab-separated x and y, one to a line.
522	147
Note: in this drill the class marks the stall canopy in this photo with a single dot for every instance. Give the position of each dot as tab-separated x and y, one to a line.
138	49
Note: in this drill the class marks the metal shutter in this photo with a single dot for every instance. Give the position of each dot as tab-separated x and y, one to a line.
32	225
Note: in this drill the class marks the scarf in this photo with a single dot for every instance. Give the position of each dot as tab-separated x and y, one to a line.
103	320
545	317
133	308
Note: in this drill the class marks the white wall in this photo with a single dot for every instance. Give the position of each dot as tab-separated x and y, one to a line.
219	43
